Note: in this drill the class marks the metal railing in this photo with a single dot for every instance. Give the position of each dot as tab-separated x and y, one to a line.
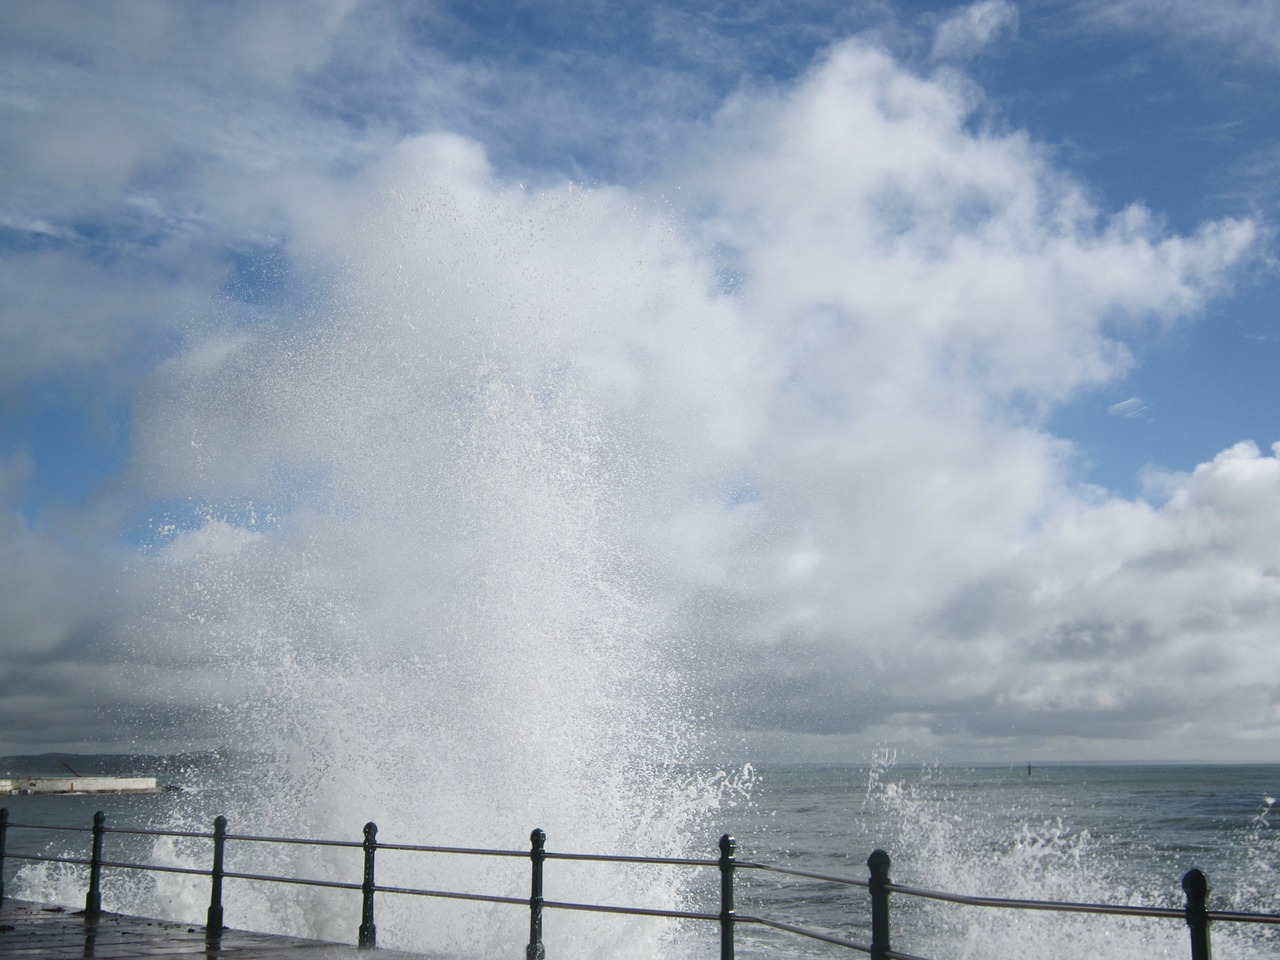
1196	914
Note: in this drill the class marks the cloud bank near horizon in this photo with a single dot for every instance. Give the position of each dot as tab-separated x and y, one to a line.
777	419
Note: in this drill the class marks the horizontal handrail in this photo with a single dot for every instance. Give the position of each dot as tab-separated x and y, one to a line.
1236	916
301	841
1196	914
473	851
1067	906
1057	906
615	858
805	874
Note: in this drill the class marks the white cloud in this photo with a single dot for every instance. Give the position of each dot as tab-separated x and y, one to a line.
1247	29
830	479
508	432
1155	610
1133	408
971	30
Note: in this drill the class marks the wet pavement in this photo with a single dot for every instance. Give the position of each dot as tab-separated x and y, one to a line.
36	930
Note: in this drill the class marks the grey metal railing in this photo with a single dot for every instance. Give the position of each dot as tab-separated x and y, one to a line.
1195	914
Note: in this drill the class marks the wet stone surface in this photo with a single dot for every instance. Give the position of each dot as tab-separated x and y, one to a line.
37	930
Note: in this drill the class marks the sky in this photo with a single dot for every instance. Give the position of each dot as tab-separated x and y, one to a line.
893	376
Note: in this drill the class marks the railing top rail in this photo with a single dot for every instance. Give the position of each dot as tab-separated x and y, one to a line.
429	848
404	847
617	858
548	855
1060	906
141	832
1234	916
300	841
804	874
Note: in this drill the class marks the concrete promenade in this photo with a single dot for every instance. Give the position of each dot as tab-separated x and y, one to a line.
36	930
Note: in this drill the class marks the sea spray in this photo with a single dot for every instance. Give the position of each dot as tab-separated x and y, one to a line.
405	570
976	833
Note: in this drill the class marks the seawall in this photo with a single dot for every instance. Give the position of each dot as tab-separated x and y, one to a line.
11	786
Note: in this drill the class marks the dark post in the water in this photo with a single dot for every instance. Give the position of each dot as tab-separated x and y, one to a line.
727	846
4	828
368	932
93	900
1196	886
213	924
878	862
535	950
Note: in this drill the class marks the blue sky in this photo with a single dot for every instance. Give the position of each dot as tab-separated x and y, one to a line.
920	350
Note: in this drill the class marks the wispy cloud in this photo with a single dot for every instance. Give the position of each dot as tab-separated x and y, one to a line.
1135	408
972	30
1245	29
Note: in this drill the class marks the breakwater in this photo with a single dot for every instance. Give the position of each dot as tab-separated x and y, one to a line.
19	786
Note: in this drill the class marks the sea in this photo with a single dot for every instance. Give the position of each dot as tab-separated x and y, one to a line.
1094	833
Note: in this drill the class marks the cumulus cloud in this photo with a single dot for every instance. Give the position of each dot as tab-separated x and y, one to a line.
773	441
826	477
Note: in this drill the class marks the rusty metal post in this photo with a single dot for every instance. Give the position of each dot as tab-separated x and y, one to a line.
878	863
1196	886
213	922
368	931
537	853
727	847
93	900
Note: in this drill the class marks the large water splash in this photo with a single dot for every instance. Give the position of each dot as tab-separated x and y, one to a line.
416	589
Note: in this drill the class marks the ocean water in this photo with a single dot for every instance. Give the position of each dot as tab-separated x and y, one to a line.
1100	834
1097	833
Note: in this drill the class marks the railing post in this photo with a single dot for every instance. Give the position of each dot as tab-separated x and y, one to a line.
878	862
368	932
4	828
93	900
1196	886
535	950
213	923
727	846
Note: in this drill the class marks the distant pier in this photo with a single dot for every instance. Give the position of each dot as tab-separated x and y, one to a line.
19	786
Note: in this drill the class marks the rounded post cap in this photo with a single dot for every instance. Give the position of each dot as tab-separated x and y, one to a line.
1195	883
879	863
